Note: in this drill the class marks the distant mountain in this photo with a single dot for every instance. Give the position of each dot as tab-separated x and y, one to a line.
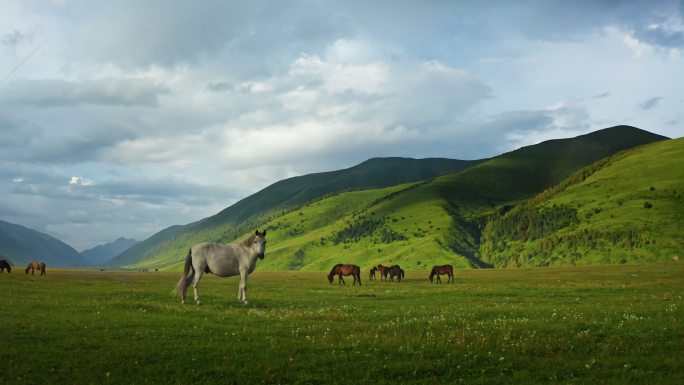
285	195
439	221
436	220
625	208
103	253
20	245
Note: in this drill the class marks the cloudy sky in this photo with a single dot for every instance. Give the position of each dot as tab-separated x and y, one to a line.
121	118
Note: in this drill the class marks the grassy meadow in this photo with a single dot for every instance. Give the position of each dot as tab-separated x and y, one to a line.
608	324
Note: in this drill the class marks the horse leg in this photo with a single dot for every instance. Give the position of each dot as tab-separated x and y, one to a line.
242	291
342	280
438	279
195	284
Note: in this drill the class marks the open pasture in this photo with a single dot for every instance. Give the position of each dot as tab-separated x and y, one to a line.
612	324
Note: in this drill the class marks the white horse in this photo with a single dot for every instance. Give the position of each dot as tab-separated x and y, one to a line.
224	260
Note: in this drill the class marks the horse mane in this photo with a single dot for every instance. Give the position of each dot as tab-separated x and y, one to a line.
247	242
332	272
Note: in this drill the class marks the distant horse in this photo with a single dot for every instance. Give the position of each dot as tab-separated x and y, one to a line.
372	273
441	270
382	269
346	270
223	260
395	271
5	265
36	265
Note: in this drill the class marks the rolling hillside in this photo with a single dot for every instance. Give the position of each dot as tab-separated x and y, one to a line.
419	224
20	245
441	220
163	247
626	208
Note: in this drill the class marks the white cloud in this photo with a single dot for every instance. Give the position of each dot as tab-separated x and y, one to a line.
57	93
81	181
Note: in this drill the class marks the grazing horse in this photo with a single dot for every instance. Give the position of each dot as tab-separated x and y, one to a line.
395	271
223	260
5	265
383	271
441	270
347	270
36	265
373	270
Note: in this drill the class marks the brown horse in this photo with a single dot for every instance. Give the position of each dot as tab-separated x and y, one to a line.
394	271
36	265
347	270
373	270
383	271
441	270
5	265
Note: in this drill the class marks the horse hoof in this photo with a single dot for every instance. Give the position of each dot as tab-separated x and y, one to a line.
246	302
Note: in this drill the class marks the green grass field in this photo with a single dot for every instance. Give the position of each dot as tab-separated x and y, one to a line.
609	324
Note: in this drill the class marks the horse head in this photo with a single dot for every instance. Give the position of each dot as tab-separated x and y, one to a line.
260	244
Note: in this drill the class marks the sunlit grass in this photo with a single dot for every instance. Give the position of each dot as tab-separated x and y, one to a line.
592	324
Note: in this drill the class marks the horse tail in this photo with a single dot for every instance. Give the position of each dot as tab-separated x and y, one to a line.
186	278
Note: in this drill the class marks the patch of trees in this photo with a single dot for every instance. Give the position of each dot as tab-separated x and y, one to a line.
367	226
592	239
287	228
570	247
297	260
526	224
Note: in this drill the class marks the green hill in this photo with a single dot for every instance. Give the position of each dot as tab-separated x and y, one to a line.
475	194
626	208
418	224
164	247
20	245
438	221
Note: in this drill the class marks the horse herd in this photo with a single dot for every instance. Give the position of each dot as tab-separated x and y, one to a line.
33	266
385	272
240	257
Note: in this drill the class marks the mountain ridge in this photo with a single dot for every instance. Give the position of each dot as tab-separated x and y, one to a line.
443	215
627	207
105	252
291	192
21	245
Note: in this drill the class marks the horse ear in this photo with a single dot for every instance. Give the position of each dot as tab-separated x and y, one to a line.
256	232
263	234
